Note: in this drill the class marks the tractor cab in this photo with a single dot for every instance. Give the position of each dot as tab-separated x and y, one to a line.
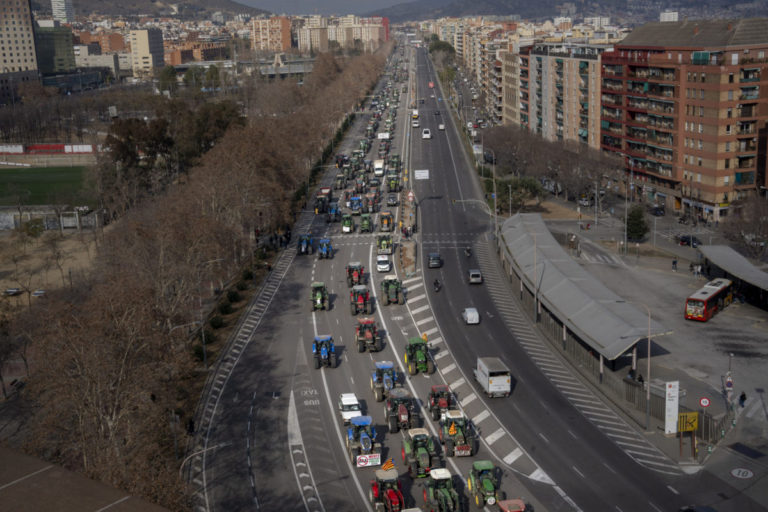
319	296
386	492
440	478
324	351
334	212
386	221
384	244
340	182
392	291
367	336
356	205
347	224
361	429
366	225
441	399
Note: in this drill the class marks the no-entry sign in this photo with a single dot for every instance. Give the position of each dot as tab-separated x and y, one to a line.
704	401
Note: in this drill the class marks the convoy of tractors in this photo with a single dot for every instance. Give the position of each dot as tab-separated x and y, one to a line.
353	200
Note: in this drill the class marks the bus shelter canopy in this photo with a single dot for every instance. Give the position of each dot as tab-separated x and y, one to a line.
600	318
735	264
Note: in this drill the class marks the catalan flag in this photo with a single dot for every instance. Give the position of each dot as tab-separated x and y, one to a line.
388	465
452	429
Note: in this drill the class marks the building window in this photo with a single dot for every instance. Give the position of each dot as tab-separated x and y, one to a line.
730	95
730	78
701	128
703	77
701	111
701	94
726	179
729	113
701	144
727	163
699	166
727	147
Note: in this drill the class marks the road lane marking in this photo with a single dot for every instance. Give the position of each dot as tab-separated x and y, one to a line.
468	399
441	354
455	384
540	476
495	436
513	456
431	331
438	339
577	471
418	297
425	320
411	280
480	417
449	368
419	309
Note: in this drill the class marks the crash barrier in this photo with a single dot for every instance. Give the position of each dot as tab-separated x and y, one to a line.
627	394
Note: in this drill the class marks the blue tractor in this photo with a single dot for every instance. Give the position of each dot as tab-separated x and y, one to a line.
383	379
334	212
306	244
325	249
356	205
324	352
361	439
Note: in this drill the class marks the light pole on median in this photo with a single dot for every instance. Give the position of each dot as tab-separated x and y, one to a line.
648	369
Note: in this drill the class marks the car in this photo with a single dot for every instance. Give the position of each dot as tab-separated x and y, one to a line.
658	211
415	123
38	293
434	260
349	407
441	126
686	240
426	134
392	200
475	276
437	112
585	201
12	292
431	95
383	264
470	316
469	125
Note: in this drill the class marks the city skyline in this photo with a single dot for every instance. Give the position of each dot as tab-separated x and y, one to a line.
324	7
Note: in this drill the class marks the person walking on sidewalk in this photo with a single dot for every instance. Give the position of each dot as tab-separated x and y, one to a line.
742	399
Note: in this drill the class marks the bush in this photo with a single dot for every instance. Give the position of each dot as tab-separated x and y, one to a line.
247	275
217	322
233	296
209	337
198	350
242	285
225	307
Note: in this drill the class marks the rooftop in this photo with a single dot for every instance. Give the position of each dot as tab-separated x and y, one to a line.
699	34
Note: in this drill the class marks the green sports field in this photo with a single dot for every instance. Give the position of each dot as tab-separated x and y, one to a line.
43	186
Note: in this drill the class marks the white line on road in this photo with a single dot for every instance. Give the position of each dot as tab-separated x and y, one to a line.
419	309
431	331
441	354
455	384
577	471
468	399
425	320
480	417
449	368
672	489
513	456
418	297
495	436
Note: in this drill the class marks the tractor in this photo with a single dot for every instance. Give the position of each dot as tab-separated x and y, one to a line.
384	244
325	249
320	298
324	352
457	434
361	438
386	221
392	291
483	483
347	224
439	494
306	244
340	182
394	162
383	379
334	212
367	335
355	273
356	205
341	159
323	197
419	452
440	400
417	357
360	300
371	202
386	494
366	226
401	410
393	184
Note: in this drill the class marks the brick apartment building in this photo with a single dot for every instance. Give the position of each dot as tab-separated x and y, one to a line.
271	34
684	104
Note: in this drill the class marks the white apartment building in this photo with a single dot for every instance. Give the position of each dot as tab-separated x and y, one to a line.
17	45
62	11
146	51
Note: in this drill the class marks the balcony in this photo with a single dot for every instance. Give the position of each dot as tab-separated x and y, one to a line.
749	75
744	178
613	70
612	113
746	129
750	93
747	111
747	145
746	161
611	99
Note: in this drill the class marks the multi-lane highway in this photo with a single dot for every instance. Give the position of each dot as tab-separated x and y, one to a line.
273	436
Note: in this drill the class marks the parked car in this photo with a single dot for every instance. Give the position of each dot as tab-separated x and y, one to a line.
392	200
686	240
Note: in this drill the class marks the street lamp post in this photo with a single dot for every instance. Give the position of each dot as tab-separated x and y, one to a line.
648	369
186	459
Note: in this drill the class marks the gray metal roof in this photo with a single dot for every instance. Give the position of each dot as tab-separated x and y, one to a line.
599	317
698	34
735	264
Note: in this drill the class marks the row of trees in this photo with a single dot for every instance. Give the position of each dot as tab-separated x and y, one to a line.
114	366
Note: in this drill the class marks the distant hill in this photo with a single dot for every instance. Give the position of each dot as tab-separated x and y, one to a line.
186	9
431	9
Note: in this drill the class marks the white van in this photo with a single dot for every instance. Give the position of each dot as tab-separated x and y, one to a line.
378	167
494	376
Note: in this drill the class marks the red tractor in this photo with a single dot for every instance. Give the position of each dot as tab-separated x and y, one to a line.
360	300
386	494
355	274
440	400
367	336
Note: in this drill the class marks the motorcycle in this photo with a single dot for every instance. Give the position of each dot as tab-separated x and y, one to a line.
437	285
468	252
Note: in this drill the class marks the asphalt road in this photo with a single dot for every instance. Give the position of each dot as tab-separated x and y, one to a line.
280	436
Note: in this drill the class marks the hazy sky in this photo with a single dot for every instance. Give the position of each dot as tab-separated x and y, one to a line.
320	6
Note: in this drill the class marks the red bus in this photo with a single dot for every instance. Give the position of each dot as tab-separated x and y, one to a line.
431	85
713	297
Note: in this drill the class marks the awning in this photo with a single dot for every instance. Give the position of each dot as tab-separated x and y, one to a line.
735	264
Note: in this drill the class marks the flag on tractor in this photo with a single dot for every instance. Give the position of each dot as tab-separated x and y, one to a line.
452	430
388	465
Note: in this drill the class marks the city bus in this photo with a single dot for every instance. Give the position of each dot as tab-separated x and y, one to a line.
713	297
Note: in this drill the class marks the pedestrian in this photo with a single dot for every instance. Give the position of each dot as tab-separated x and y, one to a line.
674	265
690	267
640	378
742	399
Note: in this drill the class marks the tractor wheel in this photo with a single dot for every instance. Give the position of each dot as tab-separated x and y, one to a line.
478	502
361	346
349	282
436	414
400	298
378	345
369	308
412	368
317	362
430	367
333	361
413	470
352	309
326	305
379	394
370	496
353	456
414	420
449	451
393	426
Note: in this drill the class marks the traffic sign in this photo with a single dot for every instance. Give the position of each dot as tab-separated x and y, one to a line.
704	401
729	382
742	473
411	197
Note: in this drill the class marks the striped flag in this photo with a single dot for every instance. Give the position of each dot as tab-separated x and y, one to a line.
388	465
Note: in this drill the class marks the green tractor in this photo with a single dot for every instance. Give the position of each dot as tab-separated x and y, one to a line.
366	226
417	357
393	184
347	224
483	483
392	291
419	452
340	183
457	434
439	494
320	298
384	244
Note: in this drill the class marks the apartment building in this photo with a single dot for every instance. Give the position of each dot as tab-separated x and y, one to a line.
17	45
313	39
560	91
55	50
684	103
271	34
62	11
146	51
